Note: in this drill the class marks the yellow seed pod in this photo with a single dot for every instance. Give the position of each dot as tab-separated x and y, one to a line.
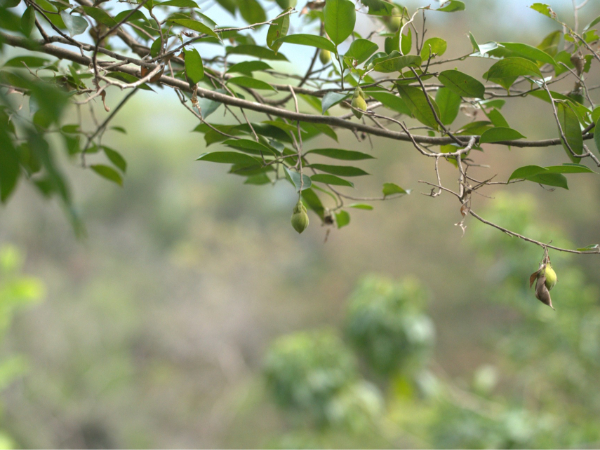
325	57
551	277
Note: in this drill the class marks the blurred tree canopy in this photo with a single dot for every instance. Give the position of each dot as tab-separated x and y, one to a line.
537	395
373	69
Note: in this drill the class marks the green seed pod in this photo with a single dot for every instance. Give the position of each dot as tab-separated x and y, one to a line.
300	217
359	102
325	57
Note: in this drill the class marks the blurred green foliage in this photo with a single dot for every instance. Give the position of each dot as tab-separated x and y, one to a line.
17	291
538	394
387	327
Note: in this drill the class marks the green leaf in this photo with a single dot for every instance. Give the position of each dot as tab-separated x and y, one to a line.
115	158
258	180
497	118
195	25
228	5
569	168
278	29
453	5
251	83
310	40
506	71
208	106
100	16
194	68
462	84
529	52
9	165
256	51
249	146
252	11
406	42
391	189
229	158
28	21
597	134
107	172
437	45
544	9
550	43
419	107
340	18
571	129
592	23
588	248
342	219
331	99
344	171
130	14
346	155
313	202
525	172
550	179
156	47
331	179
379	7
391	101
474	43
449	104
396	62
498	134
178	3
29	61
361	49
295	179
475	128
361	206
540	175
247	67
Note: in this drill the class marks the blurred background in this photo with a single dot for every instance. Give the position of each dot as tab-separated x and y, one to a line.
193	315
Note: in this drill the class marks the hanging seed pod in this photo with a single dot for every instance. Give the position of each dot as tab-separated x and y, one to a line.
545	278
300	217
325	57
541	291
551	277
358	102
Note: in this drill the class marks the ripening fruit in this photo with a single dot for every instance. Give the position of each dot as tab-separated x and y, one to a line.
550	276
325	56
300	217
359	102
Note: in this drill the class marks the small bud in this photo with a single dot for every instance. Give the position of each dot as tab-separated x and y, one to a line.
325	57
299	217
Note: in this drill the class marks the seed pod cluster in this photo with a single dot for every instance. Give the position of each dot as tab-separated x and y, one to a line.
300	217
359	102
